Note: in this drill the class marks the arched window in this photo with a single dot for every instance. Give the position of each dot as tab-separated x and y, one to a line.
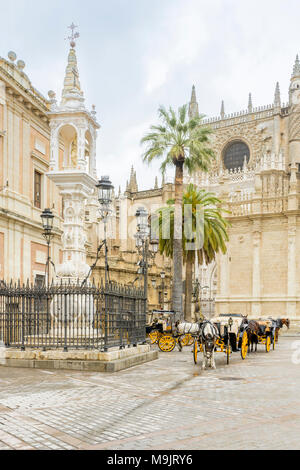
234	155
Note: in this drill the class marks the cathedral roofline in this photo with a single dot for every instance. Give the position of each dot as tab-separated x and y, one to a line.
17	79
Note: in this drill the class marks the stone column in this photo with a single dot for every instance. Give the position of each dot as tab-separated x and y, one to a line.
74	237
92	163
81	162
54	148
256	278
75	188
291	271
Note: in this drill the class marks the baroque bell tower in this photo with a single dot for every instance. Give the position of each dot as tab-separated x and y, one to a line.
73	164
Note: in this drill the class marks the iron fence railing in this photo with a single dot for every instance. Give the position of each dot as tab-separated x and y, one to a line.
71	316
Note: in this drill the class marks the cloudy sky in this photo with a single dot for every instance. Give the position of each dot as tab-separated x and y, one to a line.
134	55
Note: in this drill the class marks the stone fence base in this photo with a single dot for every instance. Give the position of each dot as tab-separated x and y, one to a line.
112	361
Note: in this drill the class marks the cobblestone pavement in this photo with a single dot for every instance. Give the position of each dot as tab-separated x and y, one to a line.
166	404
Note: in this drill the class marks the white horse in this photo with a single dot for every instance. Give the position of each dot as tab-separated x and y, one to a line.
208	337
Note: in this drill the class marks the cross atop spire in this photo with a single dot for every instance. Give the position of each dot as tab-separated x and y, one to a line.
296	69
72	96
74	35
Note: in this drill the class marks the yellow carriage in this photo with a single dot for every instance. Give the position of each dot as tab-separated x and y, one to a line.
232	336
161	331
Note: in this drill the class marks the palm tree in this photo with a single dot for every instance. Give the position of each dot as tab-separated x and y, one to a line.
182	143
204	233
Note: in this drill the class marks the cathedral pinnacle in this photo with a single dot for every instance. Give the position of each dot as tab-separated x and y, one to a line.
132	186
222	110
250	105
193	106
277	99
296	70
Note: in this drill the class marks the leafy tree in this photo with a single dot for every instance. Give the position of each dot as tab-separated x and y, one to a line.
204	233
181	143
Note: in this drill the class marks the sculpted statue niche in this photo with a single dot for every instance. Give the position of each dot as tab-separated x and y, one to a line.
68	139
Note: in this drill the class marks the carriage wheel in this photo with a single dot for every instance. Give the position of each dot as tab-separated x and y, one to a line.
268	343
244	346
187	340
195	351
154	337
274	342
167	343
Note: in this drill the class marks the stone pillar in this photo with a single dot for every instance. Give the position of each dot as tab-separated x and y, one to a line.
291	271
75	188
81	162
92	162
293	190
54	148
256	278
276	135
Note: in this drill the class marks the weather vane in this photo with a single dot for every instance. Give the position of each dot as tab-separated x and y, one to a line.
74	35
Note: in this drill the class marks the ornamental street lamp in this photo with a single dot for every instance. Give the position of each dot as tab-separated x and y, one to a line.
105	197
147	246
47	220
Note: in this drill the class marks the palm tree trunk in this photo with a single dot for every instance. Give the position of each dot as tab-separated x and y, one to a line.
188	286
177	242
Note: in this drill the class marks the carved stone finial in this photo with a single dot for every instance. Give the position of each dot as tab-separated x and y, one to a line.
12	56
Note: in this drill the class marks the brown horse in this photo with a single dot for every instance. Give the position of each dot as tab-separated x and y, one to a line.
252	330
280	323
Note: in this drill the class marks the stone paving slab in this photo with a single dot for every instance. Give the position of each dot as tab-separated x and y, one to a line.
166	404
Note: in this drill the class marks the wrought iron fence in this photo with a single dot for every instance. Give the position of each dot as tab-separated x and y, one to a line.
70	316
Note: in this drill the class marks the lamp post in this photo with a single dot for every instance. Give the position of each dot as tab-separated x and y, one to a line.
146	246
105	197
47	220
163	276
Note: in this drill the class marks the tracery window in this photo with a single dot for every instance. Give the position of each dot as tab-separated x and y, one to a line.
234	155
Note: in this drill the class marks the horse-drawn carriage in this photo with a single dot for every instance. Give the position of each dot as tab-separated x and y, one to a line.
225	334
230	336
265	331
162	330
